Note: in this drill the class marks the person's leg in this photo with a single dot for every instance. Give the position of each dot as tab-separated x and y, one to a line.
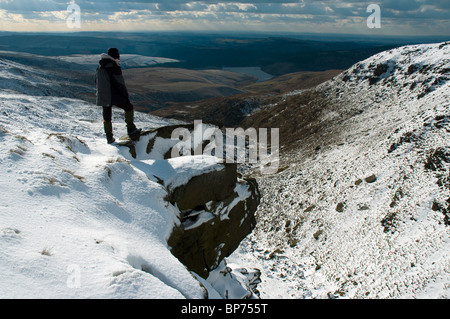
107	124
129	119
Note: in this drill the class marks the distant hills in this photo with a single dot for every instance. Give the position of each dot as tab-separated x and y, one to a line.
275	55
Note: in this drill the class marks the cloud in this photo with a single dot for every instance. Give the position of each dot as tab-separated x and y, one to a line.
332	15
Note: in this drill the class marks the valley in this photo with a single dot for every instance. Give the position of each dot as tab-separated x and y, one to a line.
231	110
158	88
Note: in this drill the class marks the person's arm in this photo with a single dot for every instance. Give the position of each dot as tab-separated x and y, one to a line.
118	83
103	87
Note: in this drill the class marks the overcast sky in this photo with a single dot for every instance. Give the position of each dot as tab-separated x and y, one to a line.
398	17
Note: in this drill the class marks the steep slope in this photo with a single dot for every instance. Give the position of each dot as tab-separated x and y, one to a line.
360	208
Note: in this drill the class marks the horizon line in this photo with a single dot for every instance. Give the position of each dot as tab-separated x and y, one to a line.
248	32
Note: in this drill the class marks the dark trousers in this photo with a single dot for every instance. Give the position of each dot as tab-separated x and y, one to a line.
107	110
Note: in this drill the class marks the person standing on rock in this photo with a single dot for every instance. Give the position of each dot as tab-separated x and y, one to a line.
111	91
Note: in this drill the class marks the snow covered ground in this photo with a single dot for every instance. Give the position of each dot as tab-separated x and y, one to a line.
77	218
80	218
365	216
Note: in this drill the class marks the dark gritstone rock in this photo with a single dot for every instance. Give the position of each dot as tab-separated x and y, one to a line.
217	214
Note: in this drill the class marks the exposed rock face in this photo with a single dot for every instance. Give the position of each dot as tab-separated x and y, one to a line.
214	186
213	221
216	207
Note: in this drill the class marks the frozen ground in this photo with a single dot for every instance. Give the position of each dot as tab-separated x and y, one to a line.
367	216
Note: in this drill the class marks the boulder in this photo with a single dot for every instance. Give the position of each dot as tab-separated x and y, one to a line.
371	179
214	186
217	214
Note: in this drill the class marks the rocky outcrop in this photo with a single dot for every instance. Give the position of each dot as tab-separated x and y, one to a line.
217	214
217	205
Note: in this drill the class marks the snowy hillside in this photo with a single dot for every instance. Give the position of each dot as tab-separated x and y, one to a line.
362	208
77	62
126	60
80	218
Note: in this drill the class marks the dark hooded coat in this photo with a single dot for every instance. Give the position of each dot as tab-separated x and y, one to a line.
110	84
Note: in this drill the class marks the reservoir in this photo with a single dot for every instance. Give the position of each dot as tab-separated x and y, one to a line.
254	71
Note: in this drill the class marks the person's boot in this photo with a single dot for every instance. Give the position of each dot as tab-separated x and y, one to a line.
132	130
109	132
110	139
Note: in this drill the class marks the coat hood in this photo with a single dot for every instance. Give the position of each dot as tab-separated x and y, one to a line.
106	59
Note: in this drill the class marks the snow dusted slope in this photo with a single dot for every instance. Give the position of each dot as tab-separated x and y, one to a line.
79	62
14	77
367	215
78	218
